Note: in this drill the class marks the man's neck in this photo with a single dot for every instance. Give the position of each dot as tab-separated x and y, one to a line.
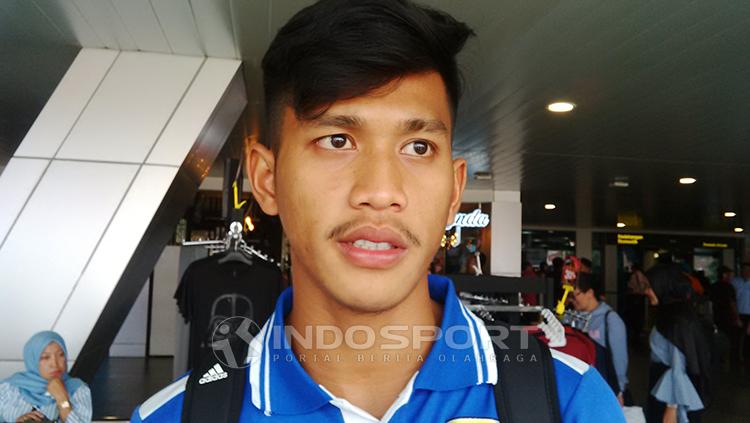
368	372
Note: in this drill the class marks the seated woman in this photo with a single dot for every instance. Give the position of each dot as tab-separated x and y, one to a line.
680	351
45	392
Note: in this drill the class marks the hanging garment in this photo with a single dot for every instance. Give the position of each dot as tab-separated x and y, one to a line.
211	292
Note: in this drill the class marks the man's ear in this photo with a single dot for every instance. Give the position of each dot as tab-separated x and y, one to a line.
459	183
260	173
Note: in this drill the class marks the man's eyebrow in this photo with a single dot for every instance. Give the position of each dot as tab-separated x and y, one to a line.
342	121
408	126
423	125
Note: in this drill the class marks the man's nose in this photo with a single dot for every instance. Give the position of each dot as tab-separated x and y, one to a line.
379	182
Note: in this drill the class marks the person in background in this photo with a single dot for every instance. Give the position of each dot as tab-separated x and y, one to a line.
679	375
45	392
742	289
527	272
586	265
639	291
726	318
543	269
607	330
557	272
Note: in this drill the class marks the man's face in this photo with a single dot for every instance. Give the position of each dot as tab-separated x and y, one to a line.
582	301
365	191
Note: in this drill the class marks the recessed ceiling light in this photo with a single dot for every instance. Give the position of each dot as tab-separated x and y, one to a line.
561	107
483	176
730	214
621	225
738	230
619	184
550	206
687	181
656	255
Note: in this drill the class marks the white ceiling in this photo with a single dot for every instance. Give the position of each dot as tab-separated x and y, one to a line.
662	90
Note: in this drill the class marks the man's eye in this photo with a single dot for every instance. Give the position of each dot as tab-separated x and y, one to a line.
335	142
418	148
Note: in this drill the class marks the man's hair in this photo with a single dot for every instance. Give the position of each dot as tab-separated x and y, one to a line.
723	270
341	49
586	282
586	262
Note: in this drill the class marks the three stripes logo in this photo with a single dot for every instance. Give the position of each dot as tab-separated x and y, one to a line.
213	374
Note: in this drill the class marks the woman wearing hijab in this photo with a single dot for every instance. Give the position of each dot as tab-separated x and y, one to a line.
680	351
44	392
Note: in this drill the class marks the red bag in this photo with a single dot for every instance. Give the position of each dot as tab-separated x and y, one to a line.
578	344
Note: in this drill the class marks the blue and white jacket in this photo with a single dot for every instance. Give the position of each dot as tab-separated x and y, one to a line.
454	382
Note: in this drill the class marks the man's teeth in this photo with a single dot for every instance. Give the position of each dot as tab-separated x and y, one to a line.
369	245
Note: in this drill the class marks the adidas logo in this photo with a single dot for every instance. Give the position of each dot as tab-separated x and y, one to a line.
215	373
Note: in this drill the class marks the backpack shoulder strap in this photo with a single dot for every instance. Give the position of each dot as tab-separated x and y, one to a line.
214	393
526	389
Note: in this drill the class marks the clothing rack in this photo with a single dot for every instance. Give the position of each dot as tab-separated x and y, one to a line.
232	242
504	285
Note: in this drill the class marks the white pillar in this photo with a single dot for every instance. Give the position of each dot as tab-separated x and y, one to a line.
91	176
583	243
727	258
506	234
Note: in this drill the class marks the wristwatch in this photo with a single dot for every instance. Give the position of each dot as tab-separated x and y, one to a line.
65	405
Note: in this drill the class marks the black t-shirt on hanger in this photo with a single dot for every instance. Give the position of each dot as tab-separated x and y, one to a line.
211	292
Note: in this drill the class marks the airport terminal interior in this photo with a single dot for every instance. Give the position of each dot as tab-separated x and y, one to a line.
605	138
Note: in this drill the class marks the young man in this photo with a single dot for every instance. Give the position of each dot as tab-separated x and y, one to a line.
607	330
361	98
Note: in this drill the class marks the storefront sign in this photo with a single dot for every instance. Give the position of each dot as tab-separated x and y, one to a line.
715	245
475	219
628	239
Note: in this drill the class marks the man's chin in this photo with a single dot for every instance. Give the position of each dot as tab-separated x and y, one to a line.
372	297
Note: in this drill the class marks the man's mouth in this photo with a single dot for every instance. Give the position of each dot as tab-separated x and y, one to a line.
373	248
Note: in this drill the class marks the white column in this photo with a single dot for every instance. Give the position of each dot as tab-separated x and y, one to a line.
583	243
89	177
506	234
727	258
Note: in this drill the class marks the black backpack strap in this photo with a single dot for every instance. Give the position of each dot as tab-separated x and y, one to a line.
214	393
526	389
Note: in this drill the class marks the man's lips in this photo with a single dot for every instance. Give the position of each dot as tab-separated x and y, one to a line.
376	235
374	248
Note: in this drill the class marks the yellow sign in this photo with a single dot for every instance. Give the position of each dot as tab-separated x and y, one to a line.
237	204
715	245
628	239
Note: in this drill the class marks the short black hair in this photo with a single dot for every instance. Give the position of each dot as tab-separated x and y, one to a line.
723	270
587	281
341	49
669	283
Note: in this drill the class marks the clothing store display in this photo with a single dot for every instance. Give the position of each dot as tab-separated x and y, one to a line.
211	292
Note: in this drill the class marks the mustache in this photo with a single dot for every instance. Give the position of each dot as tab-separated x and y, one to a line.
342	229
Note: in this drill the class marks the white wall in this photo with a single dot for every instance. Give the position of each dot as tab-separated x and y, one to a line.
131	339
